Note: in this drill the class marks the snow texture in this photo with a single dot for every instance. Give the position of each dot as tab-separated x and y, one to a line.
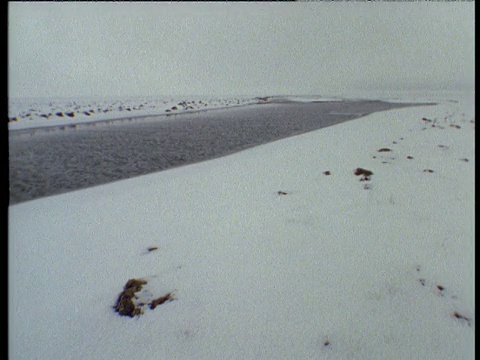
275	252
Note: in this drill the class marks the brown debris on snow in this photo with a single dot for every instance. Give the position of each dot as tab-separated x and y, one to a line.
384	150
161	300
364	172
125	305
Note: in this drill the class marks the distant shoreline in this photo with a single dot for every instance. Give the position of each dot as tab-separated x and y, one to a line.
268	100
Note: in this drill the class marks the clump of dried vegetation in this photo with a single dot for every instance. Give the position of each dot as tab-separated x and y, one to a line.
126	304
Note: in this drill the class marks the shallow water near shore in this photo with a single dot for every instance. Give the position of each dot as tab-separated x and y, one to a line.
51	161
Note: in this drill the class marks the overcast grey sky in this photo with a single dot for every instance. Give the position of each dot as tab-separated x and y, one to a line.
224	49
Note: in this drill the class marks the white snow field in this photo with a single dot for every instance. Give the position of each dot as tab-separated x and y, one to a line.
267	256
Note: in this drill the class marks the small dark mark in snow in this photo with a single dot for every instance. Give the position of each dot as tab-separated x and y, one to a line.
462	317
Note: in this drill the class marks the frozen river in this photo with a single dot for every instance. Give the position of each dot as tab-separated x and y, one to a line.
51	161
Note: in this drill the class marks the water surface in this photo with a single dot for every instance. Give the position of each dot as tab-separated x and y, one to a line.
51	161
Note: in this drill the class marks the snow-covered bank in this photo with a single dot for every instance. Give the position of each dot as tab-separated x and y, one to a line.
35	112
25	113
268	257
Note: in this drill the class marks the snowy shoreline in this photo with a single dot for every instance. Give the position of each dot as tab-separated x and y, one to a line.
23	113
31	113
276	252
49	161
35	114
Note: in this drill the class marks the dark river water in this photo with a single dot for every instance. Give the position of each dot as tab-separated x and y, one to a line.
44	162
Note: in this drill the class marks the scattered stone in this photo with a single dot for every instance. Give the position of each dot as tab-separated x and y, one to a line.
281	193
455	126
59	114
428	170
70	114
409	157
464	159
360	171
365	174
152	248
422	281
326	173
384	150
